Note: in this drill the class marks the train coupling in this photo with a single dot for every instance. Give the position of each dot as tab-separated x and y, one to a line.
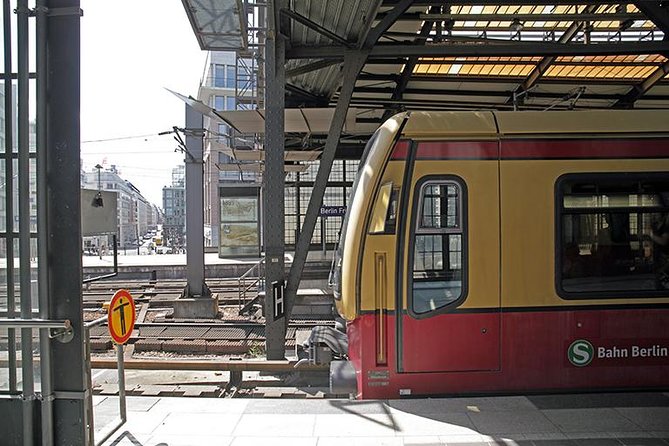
321	346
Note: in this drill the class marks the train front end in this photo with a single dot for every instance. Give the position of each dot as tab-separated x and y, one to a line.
345	371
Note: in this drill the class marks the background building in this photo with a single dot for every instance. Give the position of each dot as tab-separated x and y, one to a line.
136	216
229	84
174	207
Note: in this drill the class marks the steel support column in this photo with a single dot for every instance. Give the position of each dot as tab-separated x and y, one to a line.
42	221
70	419
194	203
353	62
27	373
9	193
273	186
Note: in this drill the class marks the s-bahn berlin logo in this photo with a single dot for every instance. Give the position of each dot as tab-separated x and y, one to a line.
580	353
631	352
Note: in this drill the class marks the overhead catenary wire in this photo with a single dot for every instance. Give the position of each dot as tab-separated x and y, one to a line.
121	138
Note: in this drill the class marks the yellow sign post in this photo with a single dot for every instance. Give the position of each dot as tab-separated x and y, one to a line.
121	316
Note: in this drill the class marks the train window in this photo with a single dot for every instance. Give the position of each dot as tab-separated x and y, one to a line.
384	216
612	235
437	279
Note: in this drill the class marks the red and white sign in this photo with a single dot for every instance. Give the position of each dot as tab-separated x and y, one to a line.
121	316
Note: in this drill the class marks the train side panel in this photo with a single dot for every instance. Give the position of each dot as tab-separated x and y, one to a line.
511	331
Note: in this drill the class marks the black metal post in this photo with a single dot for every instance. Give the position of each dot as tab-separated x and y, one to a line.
70	369
273	187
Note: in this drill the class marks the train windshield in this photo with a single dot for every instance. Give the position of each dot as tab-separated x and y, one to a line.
336	279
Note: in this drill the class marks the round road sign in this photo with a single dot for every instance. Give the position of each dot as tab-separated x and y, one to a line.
121	316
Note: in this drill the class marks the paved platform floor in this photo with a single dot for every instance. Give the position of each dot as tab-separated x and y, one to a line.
624	419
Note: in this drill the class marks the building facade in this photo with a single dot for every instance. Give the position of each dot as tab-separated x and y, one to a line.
174	208
136	215
228	84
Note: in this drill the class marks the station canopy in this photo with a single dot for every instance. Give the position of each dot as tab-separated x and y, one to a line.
219	25
477	54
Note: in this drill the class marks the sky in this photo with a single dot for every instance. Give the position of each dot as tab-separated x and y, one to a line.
131	51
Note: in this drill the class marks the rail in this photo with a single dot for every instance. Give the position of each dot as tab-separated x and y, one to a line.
229	365
253	281
35	323
119	364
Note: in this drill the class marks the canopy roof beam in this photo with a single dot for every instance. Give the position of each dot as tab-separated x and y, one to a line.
657	12
538	71
315	27
513	2
309	67
410	64
443	78
642	88
483	93
485	50
549	17
386	22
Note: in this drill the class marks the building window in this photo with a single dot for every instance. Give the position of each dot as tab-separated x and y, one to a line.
230	103
219	102
219	76
223	129
230	79
438	278
612	235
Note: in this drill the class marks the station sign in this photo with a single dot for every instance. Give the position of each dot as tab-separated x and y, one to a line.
332	211
278	289
121	316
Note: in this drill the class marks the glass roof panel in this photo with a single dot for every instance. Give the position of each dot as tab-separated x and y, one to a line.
543	22
590	67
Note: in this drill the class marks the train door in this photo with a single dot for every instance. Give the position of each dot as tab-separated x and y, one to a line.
451	250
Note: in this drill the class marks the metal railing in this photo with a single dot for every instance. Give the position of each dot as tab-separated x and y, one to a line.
114	425
247	281
36	323
48	329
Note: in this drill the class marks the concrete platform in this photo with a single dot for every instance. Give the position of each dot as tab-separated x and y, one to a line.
173	266
625	419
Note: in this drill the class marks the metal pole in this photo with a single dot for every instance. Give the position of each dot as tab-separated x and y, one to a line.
63	162
323	226
42	226
28	387
34	323
136	226
194	202
273	183
9	195
121	381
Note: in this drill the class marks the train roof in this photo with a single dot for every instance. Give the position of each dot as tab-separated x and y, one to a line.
494	124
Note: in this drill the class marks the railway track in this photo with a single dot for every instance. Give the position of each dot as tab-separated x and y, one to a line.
157	332
160	293
224	346
218	338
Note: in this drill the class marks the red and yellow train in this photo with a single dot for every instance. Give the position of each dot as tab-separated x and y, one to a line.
507	252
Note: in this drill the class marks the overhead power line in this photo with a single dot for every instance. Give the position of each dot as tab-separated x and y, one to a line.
120	138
